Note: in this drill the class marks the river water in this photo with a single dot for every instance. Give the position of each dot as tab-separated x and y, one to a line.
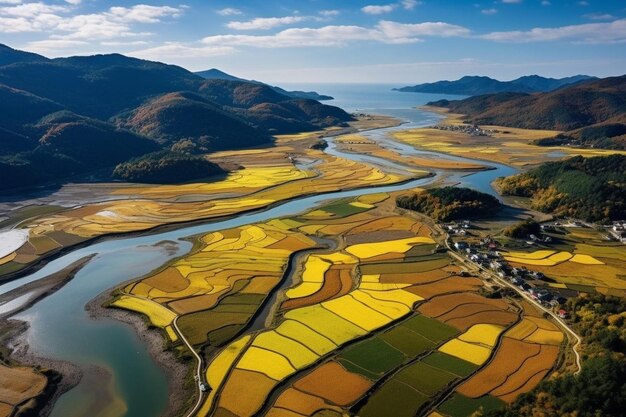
60	328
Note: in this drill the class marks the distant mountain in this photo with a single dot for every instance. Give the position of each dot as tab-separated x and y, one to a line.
98	86
74	116
583	110
215	74
477	85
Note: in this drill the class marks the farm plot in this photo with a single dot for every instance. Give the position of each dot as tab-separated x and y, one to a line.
585	267
475	345
407	391
268	176
217	289
306	334
341	381
310	332
461	406
464	310
527	352
17	386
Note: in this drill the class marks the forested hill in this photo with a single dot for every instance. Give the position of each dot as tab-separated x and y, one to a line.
592	189
450	203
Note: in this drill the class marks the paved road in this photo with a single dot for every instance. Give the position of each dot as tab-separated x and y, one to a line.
199	376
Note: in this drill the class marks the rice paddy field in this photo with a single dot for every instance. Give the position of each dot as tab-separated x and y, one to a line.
260	178
362	145
506	145
581	259
379	322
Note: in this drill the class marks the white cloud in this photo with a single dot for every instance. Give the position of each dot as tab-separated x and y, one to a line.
489	11
324	36
177	50
123	43
265	23
116	22
590	33
144	13
546	3
74	2
10	1
327	36
375	10
388	8
31	10
53	45
394	31
583	3
511	1
229	11
410	4
329	13
599	16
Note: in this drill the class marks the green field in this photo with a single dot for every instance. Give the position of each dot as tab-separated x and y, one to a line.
430	328
219	324
461	406
425	378
407	341
450	363
373	355
393	399
343	209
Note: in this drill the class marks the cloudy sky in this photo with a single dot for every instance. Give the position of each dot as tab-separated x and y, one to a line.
406	41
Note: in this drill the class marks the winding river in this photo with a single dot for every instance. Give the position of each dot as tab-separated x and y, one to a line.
60	328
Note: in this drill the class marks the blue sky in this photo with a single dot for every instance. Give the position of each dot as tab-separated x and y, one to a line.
403	41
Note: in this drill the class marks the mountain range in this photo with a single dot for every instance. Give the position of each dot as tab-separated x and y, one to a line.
478	85
591	113
215	74
72	116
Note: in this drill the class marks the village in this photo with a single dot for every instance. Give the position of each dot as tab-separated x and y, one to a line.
468	129
486	253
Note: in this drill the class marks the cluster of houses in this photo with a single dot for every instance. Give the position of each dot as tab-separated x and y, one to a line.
493	260
471	130
458	229
618	230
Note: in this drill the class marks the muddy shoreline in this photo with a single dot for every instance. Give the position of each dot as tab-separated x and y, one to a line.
177	372
61	375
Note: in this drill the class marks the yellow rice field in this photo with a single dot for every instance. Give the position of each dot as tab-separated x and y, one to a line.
159	316
369	250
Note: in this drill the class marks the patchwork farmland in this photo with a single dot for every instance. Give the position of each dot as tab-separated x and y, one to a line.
373	317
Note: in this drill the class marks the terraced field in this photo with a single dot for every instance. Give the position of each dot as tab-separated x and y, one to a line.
506	145
264	177
216	290
382	322
583	260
